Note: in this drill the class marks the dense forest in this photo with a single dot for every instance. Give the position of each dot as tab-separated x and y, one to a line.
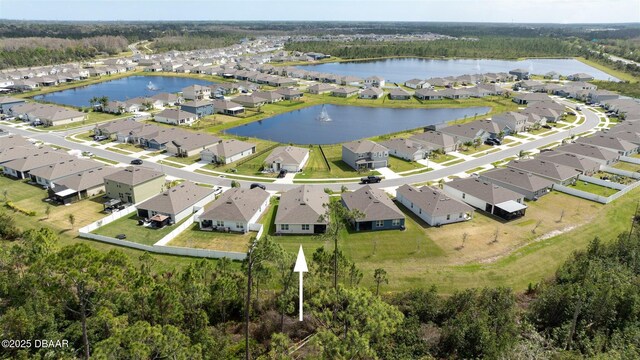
194	42
486	47
35	51
109	308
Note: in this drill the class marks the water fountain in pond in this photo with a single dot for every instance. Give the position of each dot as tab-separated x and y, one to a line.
323	116
151	86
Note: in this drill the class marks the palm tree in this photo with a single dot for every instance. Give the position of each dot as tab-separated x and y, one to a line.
93	101
104	101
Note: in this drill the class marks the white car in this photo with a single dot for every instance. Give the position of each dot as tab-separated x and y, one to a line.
217	190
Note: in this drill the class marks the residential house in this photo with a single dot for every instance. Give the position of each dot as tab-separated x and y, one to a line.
48	175
344	92
175	117
436	140
365	154
600	155
371	93
9	140
465	133
235	210
20	167
17	152
427	94
531	186
560	174
377	209
227	151
199	107
252	101
319	89
399	94
175	204
80	186
187	144
433	205
168	99
302	210
610	142
270	96
376	81
525	98
406	149
290	93
510	122
196	92
580	77
491	198
600	96
289	158
416	84
579	163
134	184
227	107
520	74
112	128
531	85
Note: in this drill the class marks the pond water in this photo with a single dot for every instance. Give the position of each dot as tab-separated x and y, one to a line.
121	89
400	70
347	123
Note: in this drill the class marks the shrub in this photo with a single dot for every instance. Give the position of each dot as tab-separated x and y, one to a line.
14	207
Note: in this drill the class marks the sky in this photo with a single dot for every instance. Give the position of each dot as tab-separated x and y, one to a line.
507	11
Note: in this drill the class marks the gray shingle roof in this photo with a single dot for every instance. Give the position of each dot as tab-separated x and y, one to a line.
373	203
230	147
302	205
177	198
87	179
432	201
364	146
30	162
485	191
64	168
544	168
588	150
517	178
134	175
607	142
236	204
287	155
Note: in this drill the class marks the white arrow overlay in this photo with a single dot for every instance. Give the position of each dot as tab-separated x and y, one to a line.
301	267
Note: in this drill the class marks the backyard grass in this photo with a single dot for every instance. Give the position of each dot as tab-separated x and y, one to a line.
593	188
626	166
193	237
128	225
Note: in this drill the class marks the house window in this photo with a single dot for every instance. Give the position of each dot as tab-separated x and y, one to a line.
419	211
411	205
460	216
448	216
239	225
305	227
284	227
379	223
220	223
464	195
395	222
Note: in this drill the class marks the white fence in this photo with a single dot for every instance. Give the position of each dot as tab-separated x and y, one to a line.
160	247
631	174
594	197
608	184
630	159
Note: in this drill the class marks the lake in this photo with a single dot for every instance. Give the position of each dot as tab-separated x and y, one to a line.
121	89
401	70
347	123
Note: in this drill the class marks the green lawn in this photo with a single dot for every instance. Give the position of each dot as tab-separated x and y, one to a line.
168	163
252	167
626	166
185	160
129	147
317	169
92	118
112	162
472	149
196	238
128	225
594	189
119	151
400	165
439	159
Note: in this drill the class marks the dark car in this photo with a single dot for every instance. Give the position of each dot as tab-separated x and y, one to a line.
121	236
497	141
282	173
489	142
371	179
136	162
546	126
255	185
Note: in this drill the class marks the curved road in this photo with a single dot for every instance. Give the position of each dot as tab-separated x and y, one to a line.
58	138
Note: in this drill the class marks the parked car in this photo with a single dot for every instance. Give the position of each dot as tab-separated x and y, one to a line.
489	142
282	173
371	179
546	126
255	185
217	190
121	236
497	141
87	153
136	162
100	138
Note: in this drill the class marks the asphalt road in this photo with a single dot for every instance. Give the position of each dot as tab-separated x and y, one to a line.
58	138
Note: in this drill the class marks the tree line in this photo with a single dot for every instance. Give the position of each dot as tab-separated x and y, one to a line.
110	306
486	47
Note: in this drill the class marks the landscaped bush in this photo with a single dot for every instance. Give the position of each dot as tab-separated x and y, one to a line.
13	207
